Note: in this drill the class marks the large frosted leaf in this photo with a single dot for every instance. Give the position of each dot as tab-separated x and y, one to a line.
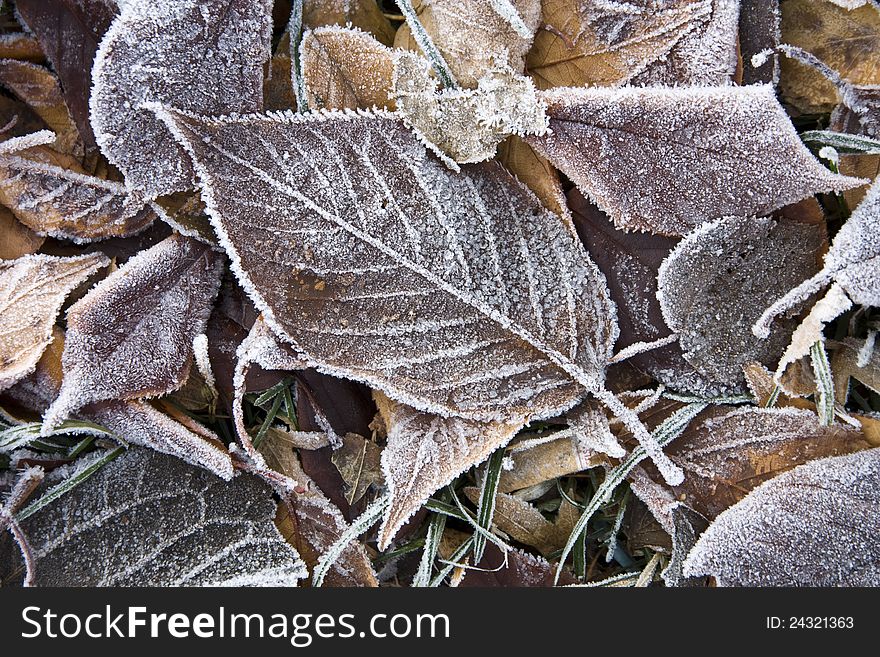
716	282
425	452
131	335
70	205
32	290
457	293
202	55
669	159
147	519
816	525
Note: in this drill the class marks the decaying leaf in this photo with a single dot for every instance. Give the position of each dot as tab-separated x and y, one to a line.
359	462
472	36
667	160
32	290
727	455
466	125
16	239
846	39
346	68
535	172
590	426
426	451
200	55
387	278
131	336
38	87
857	359
55	201
69	32
537	460
147	519
278	92
716	282
816	525
610	43
365	15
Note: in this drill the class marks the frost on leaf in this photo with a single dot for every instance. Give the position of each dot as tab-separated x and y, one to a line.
472	36
425	452
590	427
364	15
666	160
716	282
816	525
147	519
857	359
70	205
346	68
467	125
32	290
630	262
729	454
457	293
534	460
606	43
201	55
131	336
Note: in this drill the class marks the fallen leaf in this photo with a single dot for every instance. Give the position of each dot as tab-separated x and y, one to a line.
522	522
815	525
466	125
535	461
590	427
131	336
21	46
16	239
535	172
55	201
425	452
362	14
846	40
851	360
69	32
521	569
346	68
390	286
38	87
715	283
358	461
32	290
185	212
278	93
146	519
206	56
667	160
472	37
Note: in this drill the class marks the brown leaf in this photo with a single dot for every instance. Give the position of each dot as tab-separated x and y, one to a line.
521	570
846	40
16	239
728	455
21	46
611	43
346	68
563	453
38	87
56	201
69	32
535	172
32	290
715	283
425	452
853	360
362	14
185	212
131	336
667	160
472	37
278	93
815	525
178	53
522	522
358	461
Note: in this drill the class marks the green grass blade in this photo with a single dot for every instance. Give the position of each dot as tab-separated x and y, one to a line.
486	503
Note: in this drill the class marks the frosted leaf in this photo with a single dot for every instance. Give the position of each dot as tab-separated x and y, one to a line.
32	290
816	525
727	455
473	37
201	55
535	172
630	262
346	68
358	462
425	452
716	282
364	15
604	43
539	459
759	32
131	335
590	426
147	519
667	160
457	293
857	359
39	89
466	125
69	205
16	239
849	4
